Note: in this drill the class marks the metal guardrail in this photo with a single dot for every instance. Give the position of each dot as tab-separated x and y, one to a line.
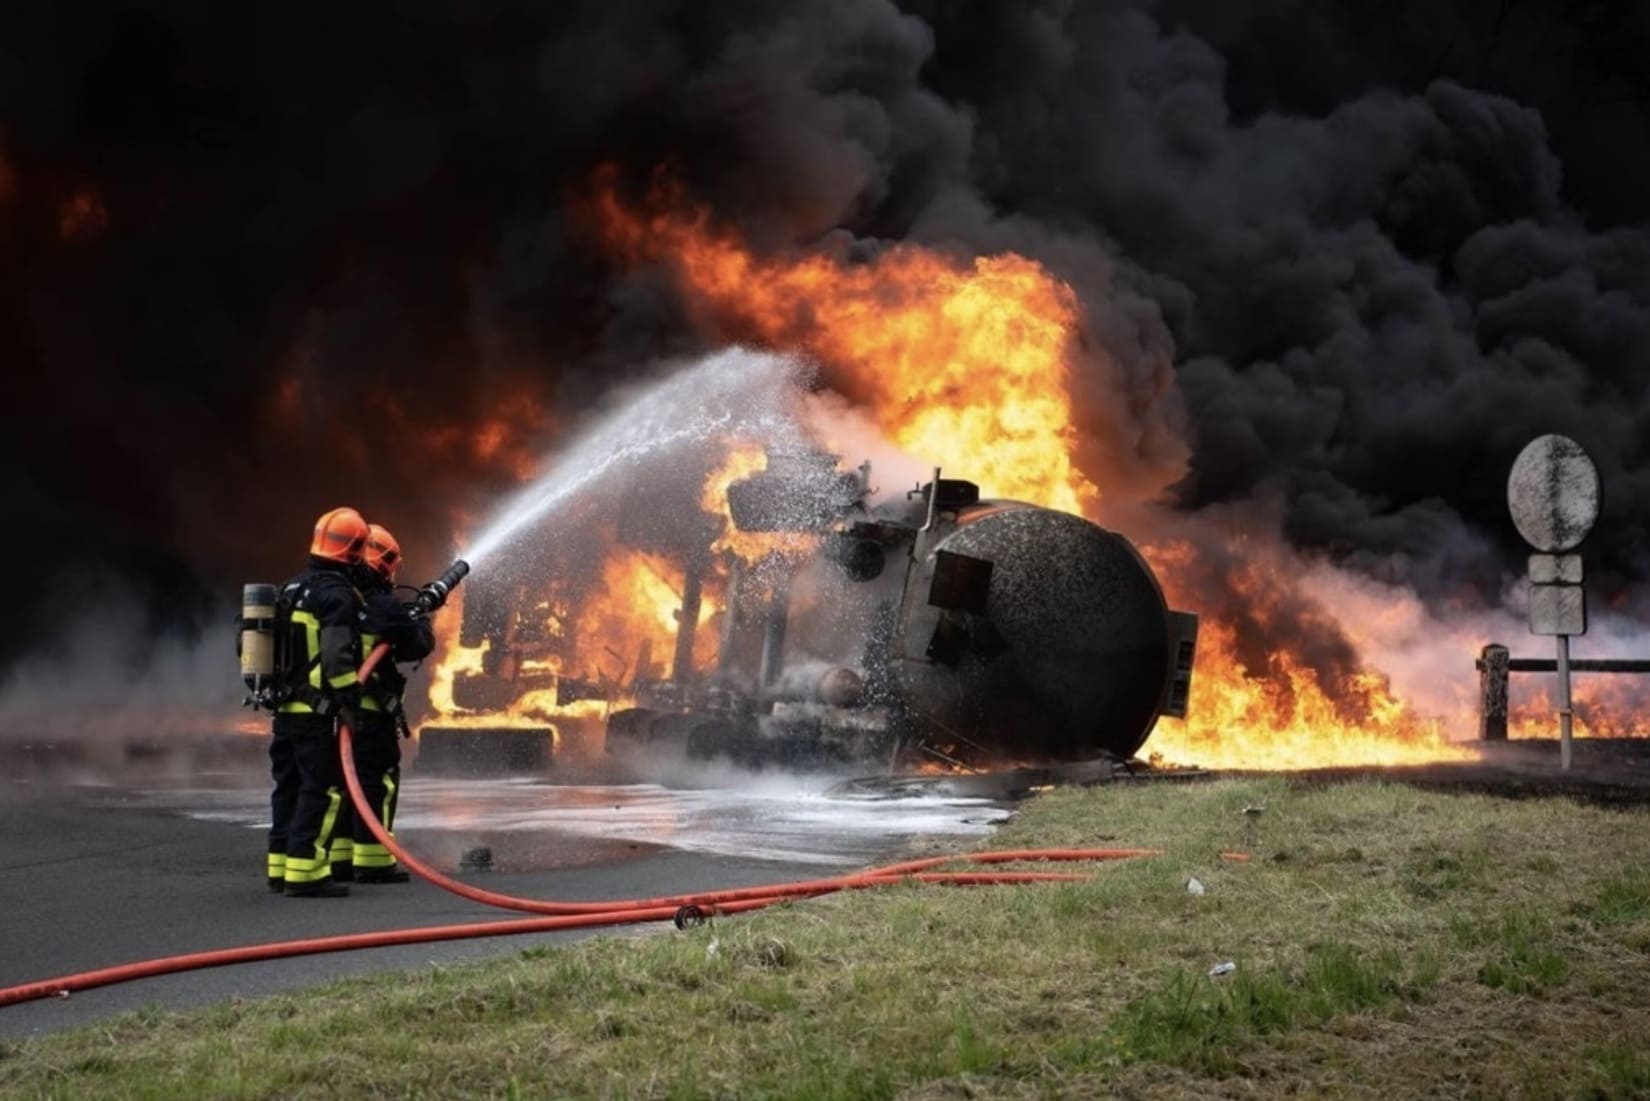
1495	663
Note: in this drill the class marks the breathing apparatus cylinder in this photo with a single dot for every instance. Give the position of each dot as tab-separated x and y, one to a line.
258	638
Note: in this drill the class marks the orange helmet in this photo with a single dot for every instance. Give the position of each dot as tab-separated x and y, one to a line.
340	536
383	553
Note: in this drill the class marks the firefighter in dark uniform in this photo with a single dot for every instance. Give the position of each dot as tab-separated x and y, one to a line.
382	722
321	611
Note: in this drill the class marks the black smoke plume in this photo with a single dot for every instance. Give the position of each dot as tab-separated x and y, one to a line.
1345	259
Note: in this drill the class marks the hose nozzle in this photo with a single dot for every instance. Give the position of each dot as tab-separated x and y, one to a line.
434	595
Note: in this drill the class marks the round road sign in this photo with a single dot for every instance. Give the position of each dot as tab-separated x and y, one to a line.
1553	494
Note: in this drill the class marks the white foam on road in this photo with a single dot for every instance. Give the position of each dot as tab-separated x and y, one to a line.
794	821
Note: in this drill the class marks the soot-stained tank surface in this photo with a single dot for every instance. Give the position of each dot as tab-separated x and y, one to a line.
1071	655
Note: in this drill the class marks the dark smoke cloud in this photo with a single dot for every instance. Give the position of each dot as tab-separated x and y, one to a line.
1374	304
255	263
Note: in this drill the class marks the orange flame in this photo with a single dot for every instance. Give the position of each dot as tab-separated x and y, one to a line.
635	611
965	363
1286	718
962	363
626	626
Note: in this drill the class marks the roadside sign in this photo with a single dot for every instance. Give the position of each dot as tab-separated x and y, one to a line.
1553	494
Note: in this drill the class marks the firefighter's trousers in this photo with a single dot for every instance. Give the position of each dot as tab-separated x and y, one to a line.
378	766
308	800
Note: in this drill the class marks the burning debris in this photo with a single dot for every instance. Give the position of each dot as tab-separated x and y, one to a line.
967	364
937	627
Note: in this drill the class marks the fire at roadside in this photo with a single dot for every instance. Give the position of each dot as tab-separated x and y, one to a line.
664	599
653	612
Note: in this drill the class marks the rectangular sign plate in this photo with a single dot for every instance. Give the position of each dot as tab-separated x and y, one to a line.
1558	610
1555	569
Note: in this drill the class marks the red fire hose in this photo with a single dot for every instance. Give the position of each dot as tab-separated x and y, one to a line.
703	899
565	915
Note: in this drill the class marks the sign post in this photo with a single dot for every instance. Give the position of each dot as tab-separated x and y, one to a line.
1553	494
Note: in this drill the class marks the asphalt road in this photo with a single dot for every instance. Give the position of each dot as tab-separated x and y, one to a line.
96	877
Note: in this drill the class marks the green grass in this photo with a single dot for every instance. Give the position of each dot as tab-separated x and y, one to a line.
1387	942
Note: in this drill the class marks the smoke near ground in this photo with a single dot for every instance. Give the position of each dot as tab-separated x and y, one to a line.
110	677
1338	263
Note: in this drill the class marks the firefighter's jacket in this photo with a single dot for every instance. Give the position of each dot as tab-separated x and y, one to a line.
411	638
323	640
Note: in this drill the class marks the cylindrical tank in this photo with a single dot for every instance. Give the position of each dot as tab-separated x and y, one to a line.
257	635
1060	649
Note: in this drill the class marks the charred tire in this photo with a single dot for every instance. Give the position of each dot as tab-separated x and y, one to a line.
718	738
632	726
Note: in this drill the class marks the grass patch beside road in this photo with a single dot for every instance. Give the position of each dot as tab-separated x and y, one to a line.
1387	942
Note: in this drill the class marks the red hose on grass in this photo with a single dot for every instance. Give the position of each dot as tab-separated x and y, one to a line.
564	915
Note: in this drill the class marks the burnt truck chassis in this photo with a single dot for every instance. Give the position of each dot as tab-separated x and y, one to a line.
969	634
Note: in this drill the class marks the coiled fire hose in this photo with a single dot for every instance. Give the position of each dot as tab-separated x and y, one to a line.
683	909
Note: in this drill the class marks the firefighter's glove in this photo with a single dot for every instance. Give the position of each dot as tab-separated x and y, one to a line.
347	703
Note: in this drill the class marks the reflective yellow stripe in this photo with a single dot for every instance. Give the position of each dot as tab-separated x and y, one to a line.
342	680
335	800
370	854
305	870
386	812
277	865
309	869
341	848
369	702
312	643
312	647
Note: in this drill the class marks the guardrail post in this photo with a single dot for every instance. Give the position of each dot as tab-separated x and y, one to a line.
1493	664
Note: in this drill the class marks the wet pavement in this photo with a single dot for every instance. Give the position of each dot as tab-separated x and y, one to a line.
98	873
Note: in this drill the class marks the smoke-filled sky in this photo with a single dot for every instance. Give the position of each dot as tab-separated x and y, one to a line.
257	261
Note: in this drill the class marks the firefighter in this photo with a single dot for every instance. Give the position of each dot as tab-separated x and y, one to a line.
319	614
383	722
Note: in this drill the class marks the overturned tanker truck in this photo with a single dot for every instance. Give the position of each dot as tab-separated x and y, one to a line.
939	629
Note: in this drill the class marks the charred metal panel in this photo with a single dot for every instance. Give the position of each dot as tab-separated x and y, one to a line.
767	503
962	583
486	750
861	559
949	641
953	494
1183	640
797	492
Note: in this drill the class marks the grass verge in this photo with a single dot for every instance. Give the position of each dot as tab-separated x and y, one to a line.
1387	942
